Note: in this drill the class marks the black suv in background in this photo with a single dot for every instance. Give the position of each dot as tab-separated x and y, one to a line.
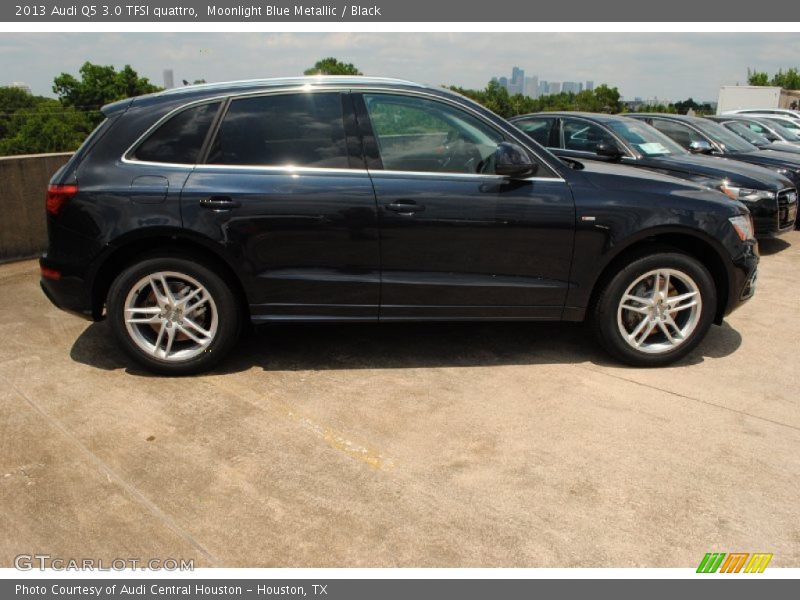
618	138
702	136
357	199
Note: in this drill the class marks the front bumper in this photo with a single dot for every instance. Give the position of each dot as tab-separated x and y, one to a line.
744	278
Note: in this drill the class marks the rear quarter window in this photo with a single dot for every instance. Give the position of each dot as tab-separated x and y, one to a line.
180	139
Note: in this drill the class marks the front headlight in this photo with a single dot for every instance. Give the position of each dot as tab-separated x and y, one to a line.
745	194
743	225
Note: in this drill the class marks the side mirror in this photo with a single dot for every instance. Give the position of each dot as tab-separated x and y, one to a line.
512	161
609	151
700	147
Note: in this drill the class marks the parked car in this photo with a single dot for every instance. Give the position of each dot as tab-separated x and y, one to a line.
762	132
191	211
703	136
758	140
790	123
784	112
618	138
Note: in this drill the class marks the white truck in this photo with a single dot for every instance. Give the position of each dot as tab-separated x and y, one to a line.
738	97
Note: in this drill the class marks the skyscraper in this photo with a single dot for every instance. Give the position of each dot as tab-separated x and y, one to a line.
555	87
169	79
589	85
570	86
544	88
532	87
516	84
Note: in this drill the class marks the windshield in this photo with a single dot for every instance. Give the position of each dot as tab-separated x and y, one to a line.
745	132
728	139
786	129
645	139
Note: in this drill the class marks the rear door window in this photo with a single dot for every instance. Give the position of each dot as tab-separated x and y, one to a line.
180	139
584	136
283	130
679	132
540	129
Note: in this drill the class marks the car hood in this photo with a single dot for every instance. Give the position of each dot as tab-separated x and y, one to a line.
646	183
789	147
771	158
737	172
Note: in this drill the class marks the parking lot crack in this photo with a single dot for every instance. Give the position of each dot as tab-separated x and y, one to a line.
691	398
114	477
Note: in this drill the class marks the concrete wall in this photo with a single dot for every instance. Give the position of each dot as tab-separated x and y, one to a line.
23	184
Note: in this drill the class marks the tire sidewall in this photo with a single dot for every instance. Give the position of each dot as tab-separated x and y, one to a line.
227	312
607	306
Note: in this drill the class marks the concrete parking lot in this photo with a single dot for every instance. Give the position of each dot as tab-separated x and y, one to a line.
424	445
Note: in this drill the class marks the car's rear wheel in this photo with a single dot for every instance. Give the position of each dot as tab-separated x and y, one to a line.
173	316
655	309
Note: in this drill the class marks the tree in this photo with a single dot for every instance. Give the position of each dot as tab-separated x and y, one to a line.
45	127
789	80
99	85
12	100
607	98
757	77
332	66
497	99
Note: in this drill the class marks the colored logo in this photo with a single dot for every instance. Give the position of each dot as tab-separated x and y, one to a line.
735	562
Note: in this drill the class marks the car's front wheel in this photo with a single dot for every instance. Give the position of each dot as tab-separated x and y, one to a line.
656	309
173	315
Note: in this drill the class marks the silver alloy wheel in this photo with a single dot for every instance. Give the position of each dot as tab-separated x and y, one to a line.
171	316
659	311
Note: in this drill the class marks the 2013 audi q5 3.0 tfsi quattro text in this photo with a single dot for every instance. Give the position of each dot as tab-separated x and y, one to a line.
189	211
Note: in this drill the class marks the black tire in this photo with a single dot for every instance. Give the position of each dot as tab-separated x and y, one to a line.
604	314
228	314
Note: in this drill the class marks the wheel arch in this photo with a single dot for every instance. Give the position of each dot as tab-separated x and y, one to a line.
126	250
694	243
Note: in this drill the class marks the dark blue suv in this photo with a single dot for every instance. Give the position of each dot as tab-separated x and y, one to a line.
190	211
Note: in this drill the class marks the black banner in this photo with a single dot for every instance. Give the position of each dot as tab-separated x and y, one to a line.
397	11
704	587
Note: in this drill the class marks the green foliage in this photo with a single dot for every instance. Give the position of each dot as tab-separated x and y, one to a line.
332	66
12	100
757	77
99	85
497	99
789	80
682	107
43	126
388	119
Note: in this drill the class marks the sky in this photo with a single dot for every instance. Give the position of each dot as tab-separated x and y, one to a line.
663	65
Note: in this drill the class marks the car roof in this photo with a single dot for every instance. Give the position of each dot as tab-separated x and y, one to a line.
738	117
203	90
599	117
670	116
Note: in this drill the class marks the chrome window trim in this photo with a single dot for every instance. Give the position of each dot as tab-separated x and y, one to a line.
289	170
310	87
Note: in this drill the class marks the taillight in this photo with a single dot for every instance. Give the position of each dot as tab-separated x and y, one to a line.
50	273
57	196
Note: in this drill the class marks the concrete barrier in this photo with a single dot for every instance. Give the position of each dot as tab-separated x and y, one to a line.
23	183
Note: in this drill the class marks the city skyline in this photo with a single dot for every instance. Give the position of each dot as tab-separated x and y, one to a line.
646	65
533	87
